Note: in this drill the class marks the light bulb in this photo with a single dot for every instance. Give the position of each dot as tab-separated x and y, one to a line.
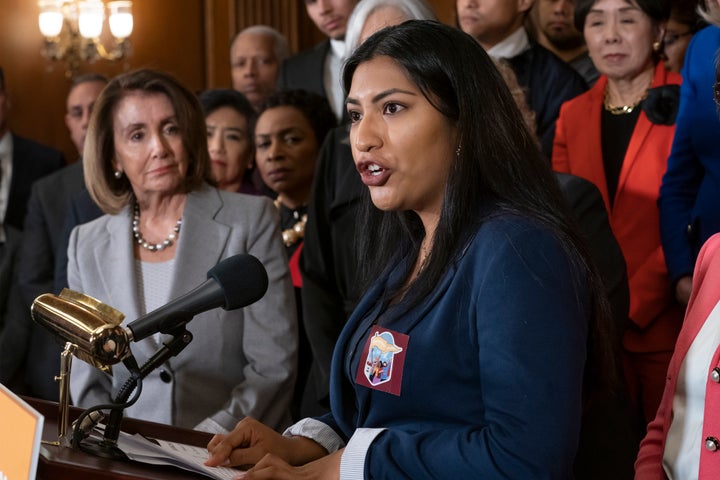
90	18
121	19
50	19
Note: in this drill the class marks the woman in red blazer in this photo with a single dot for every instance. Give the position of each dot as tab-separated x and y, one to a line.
618	135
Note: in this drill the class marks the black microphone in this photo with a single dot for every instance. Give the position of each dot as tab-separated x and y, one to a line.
235	282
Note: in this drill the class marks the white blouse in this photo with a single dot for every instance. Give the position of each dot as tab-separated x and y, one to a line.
681	458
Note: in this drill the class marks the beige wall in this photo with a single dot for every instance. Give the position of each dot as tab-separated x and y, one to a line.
189	38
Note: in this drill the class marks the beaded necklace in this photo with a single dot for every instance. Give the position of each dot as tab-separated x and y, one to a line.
153	247
292	235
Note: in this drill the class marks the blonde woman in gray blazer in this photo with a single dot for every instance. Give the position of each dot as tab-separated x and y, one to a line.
147	167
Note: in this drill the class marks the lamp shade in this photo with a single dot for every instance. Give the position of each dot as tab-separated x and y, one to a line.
50	18
121	19
91	14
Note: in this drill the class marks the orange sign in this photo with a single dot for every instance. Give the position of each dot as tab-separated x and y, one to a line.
20	435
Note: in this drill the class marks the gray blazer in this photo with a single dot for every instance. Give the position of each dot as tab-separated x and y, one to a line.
240	362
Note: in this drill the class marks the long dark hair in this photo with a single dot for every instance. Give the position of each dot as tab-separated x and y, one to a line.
498	163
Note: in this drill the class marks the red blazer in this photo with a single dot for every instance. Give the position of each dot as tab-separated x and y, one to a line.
634	217
705	295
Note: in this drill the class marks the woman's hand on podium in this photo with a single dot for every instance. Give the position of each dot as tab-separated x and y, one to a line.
250	441
271	466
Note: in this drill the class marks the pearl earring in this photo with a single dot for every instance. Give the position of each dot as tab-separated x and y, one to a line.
118	174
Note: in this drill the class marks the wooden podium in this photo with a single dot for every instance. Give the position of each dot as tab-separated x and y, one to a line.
62	463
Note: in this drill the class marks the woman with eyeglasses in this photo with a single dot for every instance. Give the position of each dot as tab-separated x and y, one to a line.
683	23
688	203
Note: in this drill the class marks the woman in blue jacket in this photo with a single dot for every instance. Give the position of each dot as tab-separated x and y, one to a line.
688	202
466	356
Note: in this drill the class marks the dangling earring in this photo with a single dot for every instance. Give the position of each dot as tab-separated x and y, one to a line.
457	152
118	174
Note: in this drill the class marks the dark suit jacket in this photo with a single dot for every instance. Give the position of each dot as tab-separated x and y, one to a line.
609	436
14	315
48	205
81	209
329	269
43	238
305	70
328	262
30	161
549	82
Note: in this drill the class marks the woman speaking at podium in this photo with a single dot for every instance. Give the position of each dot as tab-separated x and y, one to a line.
146	165
465	357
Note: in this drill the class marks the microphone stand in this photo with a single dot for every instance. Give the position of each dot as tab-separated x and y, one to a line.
64	394
107	447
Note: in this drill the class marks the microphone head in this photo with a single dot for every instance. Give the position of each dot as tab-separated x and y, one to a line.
243	280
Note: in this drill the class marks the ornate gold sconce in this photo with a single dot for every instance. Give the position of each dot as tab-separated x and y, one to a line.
72	30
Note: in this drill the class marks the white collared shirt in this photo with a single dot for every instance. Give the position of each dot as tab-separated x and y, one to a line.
331	77
512	45
6	154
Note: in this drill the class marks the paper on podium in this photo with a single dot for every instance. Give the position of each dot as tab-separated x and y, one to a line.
188	457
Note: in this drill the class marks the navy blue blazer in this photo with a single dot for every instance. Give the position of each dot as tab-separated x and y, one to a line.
30	161
493	368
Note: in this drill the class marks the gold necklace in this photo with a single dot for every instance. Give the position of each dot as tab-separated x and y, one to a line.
292	235
621	109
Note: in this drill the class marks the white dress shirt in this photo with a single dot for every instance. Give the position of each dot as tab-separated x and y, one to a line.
332	80
6	154
512	45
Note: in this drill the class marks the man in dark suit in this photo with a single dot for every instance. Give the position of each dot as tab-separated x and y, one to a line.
13	312
43	236
498	26
318	69
22	162
554	22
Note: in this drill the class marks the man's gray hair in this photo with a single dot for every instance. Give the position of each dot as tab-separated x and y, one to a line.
282	49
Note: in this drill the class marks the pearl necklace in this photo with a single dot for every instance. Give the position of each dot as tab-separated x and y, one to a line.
153	247
292	235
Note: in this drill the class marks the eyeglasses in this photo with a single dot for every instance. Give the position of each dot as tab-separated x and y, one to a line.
671	39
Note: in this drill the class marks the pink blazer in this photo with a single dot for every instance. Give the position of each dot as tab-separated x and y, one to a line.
634	217
705	295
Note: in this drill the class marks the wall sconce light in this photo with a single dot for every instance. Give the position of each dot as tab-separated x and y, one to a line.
72	30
